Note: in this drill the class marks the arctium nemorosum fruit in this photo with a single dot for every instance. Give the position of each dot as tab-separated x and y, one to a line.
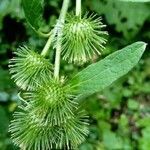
51	119
83	38
29	68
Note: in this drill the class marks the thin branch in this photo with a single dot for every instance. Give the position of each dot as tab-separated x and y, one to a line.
47	46
78	8
58	43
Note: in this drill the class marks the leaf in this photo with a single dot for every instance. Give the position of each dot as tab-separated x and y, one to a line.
144	142
132	104
33	12
143	1
143	122
7	7
123	15
112	141
99	75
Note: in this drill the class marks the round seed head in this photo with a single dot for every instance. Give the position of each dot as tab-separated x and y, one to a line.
82	38
29	69
52	101
29	131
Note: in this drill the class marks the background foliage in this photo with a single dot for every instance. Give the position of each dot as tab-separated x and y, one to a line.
120	115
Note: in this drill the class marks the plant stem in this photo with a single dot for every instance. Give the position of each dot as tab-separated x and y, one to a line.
45	35
78	8
47	46
52	35
59	36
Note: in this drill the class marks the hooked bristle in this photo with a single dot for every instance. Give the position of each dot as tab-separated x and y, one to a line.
51	120
28	69
82	38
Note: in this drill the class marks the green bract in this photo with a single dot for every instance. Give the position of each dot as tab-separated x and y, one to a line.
82	38
50	120
53	101
29	69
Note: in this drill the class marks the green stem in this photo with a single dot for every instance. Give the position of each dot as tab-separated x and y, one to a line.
78	8
52	35
58	43
47	46
45	35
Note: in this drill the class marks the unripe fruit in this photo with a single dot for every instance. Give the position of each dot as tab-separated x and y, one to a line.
82	38
50	120
29	69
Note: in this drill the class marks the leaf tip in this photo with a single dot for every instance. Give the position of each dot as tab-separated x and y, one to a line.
144	44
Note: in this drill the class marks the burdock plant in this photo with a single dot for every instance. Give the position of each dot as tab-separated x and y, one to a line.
50	115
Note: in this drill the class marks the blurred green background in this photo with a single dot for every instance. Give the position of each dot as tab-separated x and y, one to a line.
120	115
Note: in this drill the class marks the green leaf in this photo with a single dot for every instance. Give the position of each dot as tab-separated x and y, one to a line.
112	141
123	15
7	7
99	75
136	0
133	104
33	12
143	122
144	142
